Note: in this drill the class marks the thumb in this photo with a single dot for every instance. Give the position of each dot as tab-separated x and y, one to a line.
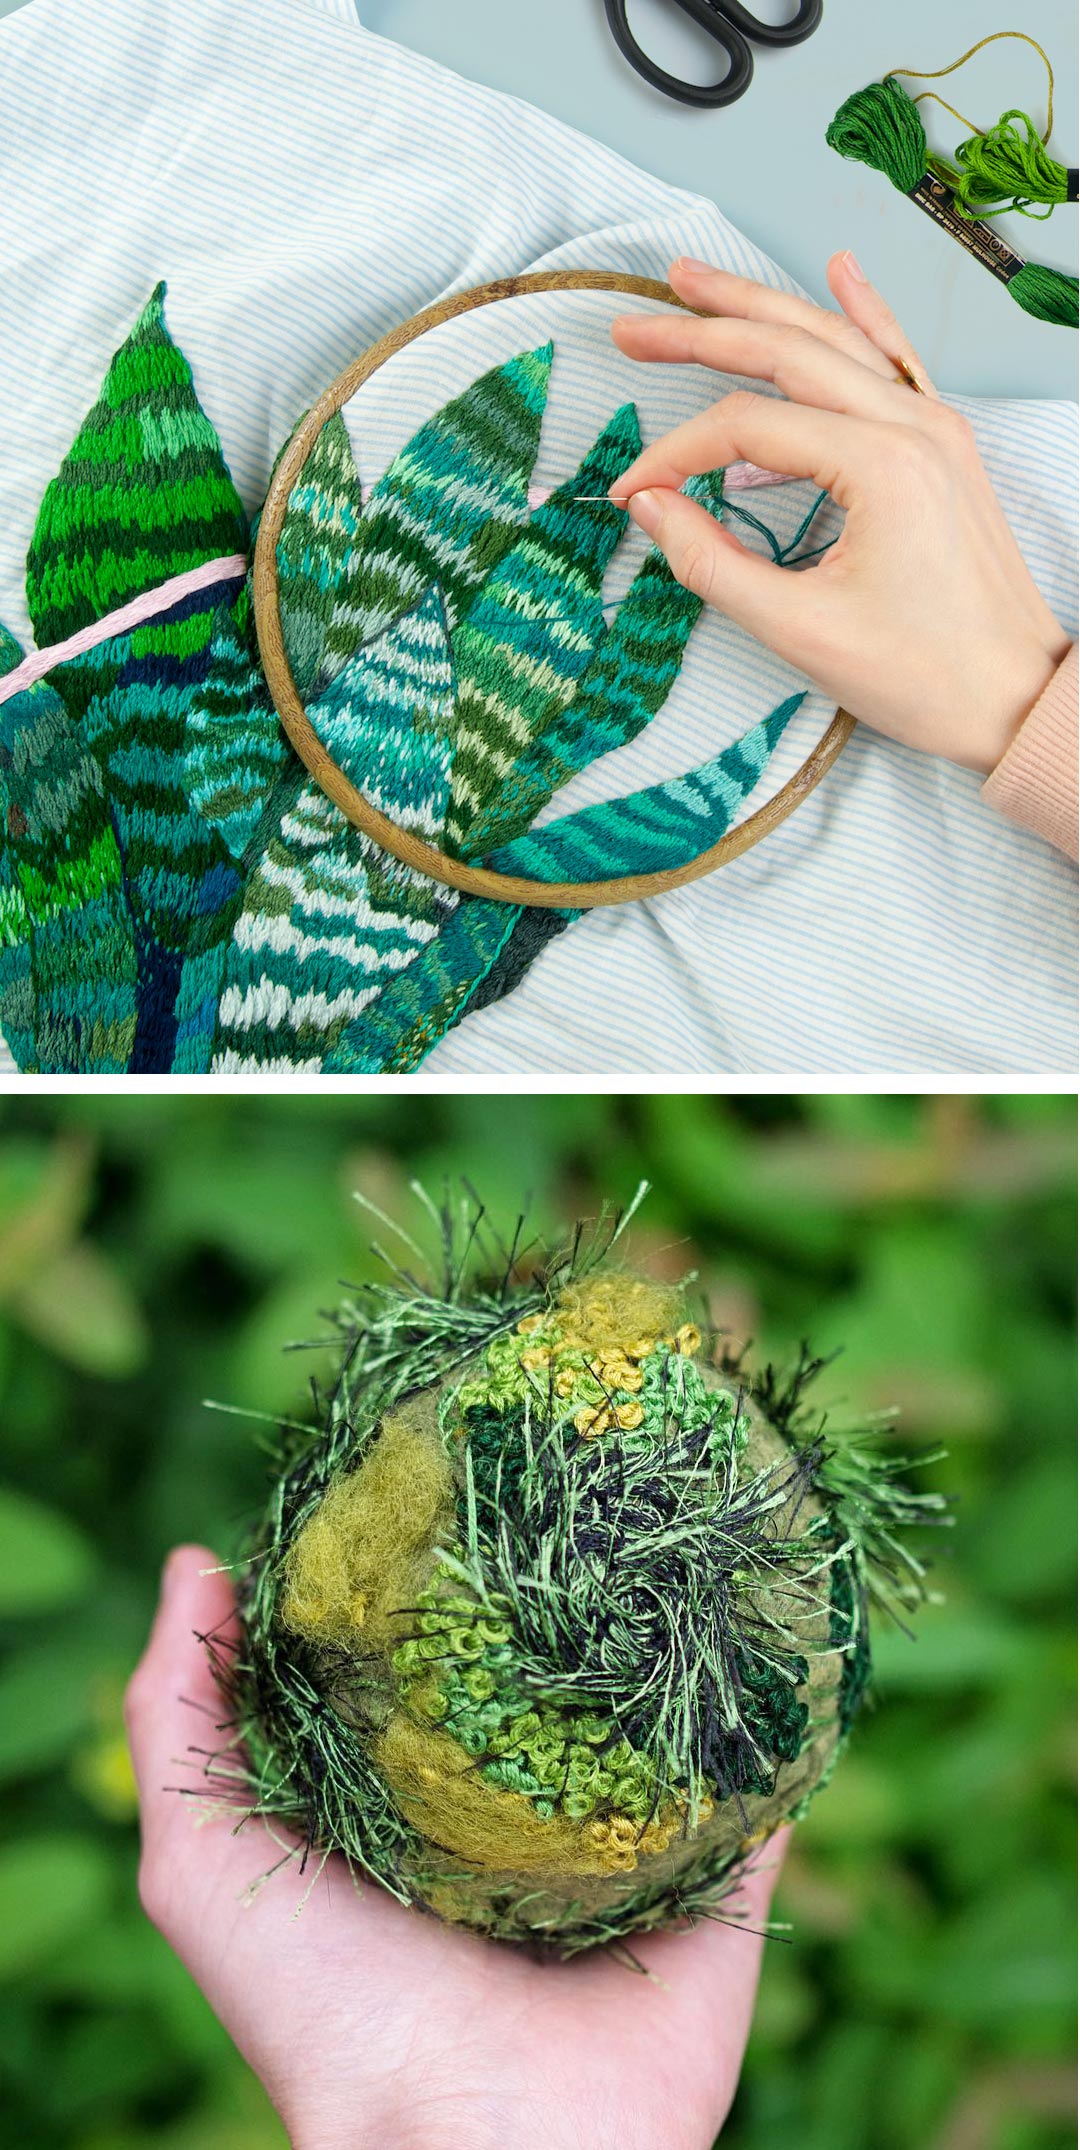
711	563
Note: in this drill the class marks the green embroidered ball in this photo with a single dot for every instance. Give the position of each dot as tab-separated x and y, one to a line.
557	1614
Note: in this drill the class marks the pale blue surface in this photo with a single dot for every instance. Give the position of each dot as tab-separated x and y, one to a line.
764	160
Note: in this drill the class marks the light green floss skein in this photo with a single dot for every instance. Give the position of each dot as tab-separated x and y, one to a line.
1004	169
880	126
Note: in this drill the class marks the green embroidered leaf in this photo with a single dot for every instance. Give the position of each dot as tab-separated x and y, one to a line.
67	953
402	1023
449	506
532	628
234	745
487	948
628	679
386	718
662	827
182	884
143	494
315	550
326	919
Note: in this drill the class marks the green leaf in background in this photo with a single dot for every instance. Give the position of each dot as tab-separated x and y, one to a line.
51	1889
45	1561
45	1702
79	1305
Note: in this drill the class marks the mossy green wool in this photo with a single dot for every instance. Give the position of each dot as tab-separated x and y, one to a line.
558	1612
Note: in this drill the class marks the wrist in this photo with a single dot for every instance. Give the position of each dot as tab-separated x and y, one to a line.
1017	687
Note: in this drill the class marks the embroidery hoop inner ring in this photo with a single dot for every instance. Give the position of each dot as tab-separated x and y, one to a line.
400	843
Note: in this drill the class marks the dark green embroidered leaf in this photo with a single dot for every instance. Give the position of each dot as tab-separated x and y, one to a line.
532	628
143	494
449	506
234	745
315	550
67	952
628	679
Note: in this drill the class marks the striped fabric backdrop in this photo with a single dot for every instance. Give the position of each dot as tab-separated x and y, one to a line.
302	186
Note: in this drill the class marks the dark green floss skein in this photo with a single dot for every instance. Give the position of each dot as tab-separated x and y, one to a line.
880	126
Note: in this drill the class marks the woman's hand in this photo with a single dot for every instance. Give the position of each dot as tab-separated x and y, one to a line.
923	619
372	2025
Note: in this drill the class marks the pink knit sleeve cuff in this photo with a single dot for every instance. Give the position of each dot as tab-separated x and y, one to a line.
1035	781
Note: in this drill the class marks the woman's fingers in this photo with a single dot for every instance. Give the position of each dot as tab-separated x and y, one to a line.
173	1704
835	451
707	560
868	312
715	291
801	365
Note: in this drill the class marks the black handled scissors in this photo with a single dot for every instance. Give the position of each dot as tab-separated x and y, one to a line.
732	26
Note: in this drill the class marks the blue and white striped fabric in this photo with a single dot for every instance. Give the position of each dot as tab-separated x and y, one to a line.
303	186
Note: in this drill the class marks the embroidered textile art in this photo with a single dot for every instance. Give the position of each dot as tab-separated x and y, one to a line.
176	892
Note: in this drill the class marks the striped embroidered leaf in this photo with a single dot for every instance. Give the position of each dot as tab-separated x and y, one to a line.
315	550
449	506
143	493
487	948
67	952
326	919
234	745
401	1024
533	626
627	681
182	884
658	829
387	718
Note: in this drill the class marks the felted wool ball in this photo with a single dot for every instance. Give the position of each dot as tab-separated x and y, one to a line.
557	1614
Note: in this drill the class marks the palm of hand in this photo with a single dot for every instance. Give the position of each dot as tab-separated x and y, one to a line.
371	2025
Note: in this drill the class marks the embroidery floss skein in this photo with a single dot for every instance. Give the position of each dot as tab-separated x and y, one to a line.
556	1610
881	126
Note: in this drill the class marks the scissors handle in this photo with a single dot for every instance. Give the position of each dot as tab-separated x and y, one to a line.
725	34
803	23
731	26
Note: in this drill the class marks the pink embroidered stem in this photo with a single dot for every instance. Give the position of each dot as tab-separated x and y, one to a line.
146	607
739	477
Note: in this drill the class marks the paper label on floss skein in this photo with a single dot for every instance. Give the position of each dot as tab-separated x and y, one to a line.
939	202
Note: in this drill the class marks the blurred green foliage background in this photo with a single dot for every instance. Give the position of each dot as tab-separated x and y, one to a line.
154	1252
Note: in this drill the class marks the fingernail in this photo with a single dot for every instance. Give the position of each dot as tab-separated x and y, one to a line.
646	511
697	268
854	269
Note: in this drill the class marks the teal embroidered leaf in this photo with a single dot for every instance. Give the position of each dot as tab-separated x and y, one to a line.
627	681
488	947
234	746
662	827
402	1023
182	884
449	506
386	719
67	953
326	919
142	495
533	626
315	549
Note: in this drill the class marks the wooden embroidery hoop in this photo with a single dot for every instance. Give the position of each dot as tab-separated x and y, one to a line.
410	849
